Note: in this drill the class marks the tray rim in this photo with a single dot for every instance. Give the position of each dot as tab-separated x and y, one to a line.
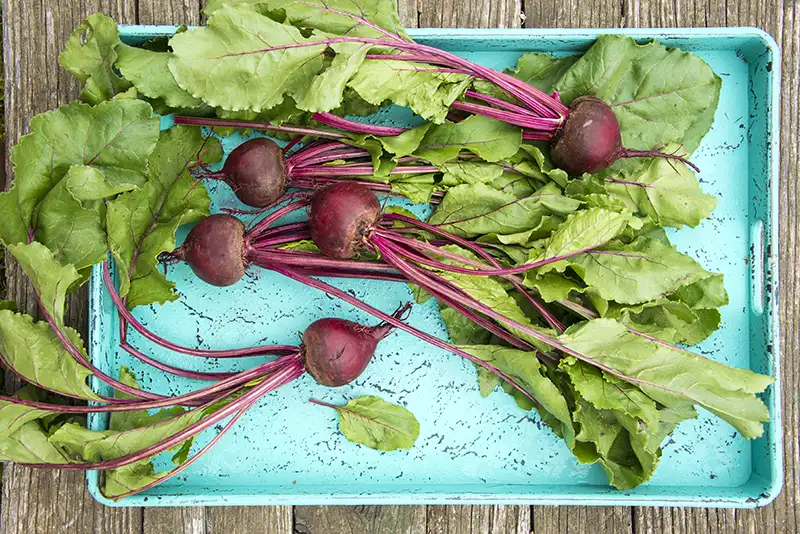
775	428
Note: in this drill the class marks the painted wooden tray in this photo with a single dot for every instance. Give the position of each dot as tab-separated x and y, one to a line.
471	449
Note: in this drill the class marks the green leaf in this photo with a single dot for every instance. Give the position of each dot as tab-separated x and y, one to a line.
490	139
490	292
622	454
324	93
553	286
660	96
149	73
331	16
70	223
531	161
142	223
672	321
417	188
377	424
583	230
525	369
89	56
29	445
239	61
8	305
51	280
119	482
705	294
13	416
35	353
468	172
406	143
670	375
607	392
113	138
427	92
478	209
84	445
462	330
639	272
668	194
542	70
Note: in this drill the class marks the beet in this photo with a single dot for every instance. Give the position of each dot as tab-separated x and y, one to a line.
341	218
591	140
337	351
214	249
255	171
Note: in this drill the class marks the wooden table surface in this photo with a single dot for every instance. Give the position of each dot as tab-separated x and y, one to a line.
57	502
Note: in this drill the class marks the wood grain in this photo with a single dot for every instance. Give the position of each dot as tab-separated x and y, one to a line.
359	519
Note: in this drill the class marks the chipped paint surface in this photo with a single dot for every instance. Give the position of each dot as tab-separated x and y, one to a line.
473	449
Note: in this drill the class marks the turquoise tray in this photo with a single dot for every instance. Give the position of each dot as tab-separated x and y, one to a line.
471	449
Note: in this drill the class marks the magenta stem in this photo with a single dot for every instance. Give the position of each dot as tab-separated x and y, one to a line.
334	121
498	102
549	125
235	381
414	243
191	460
265	350
177	371
313	260
264	223
280	378
256	125
400	325
469	245
360	170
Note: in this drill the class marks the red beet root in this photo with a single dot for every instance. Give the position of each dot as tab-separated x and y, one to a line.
214	249
337	351
255	171
591	139
341	217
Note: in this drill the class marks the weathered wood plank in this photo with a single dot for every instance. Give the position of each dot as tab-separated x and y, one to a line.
191	520
573	13
359	520
35	30
470	13
479	519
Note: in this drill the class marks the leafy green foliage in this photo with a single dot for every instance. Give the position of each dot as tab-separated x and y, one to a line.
89	56
487	138
109	143
652	102
672	376
377	424
31	348
583	230
638	272
148	71
240	61
668	194
542	70
142	223
428	94
330	16
477	209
